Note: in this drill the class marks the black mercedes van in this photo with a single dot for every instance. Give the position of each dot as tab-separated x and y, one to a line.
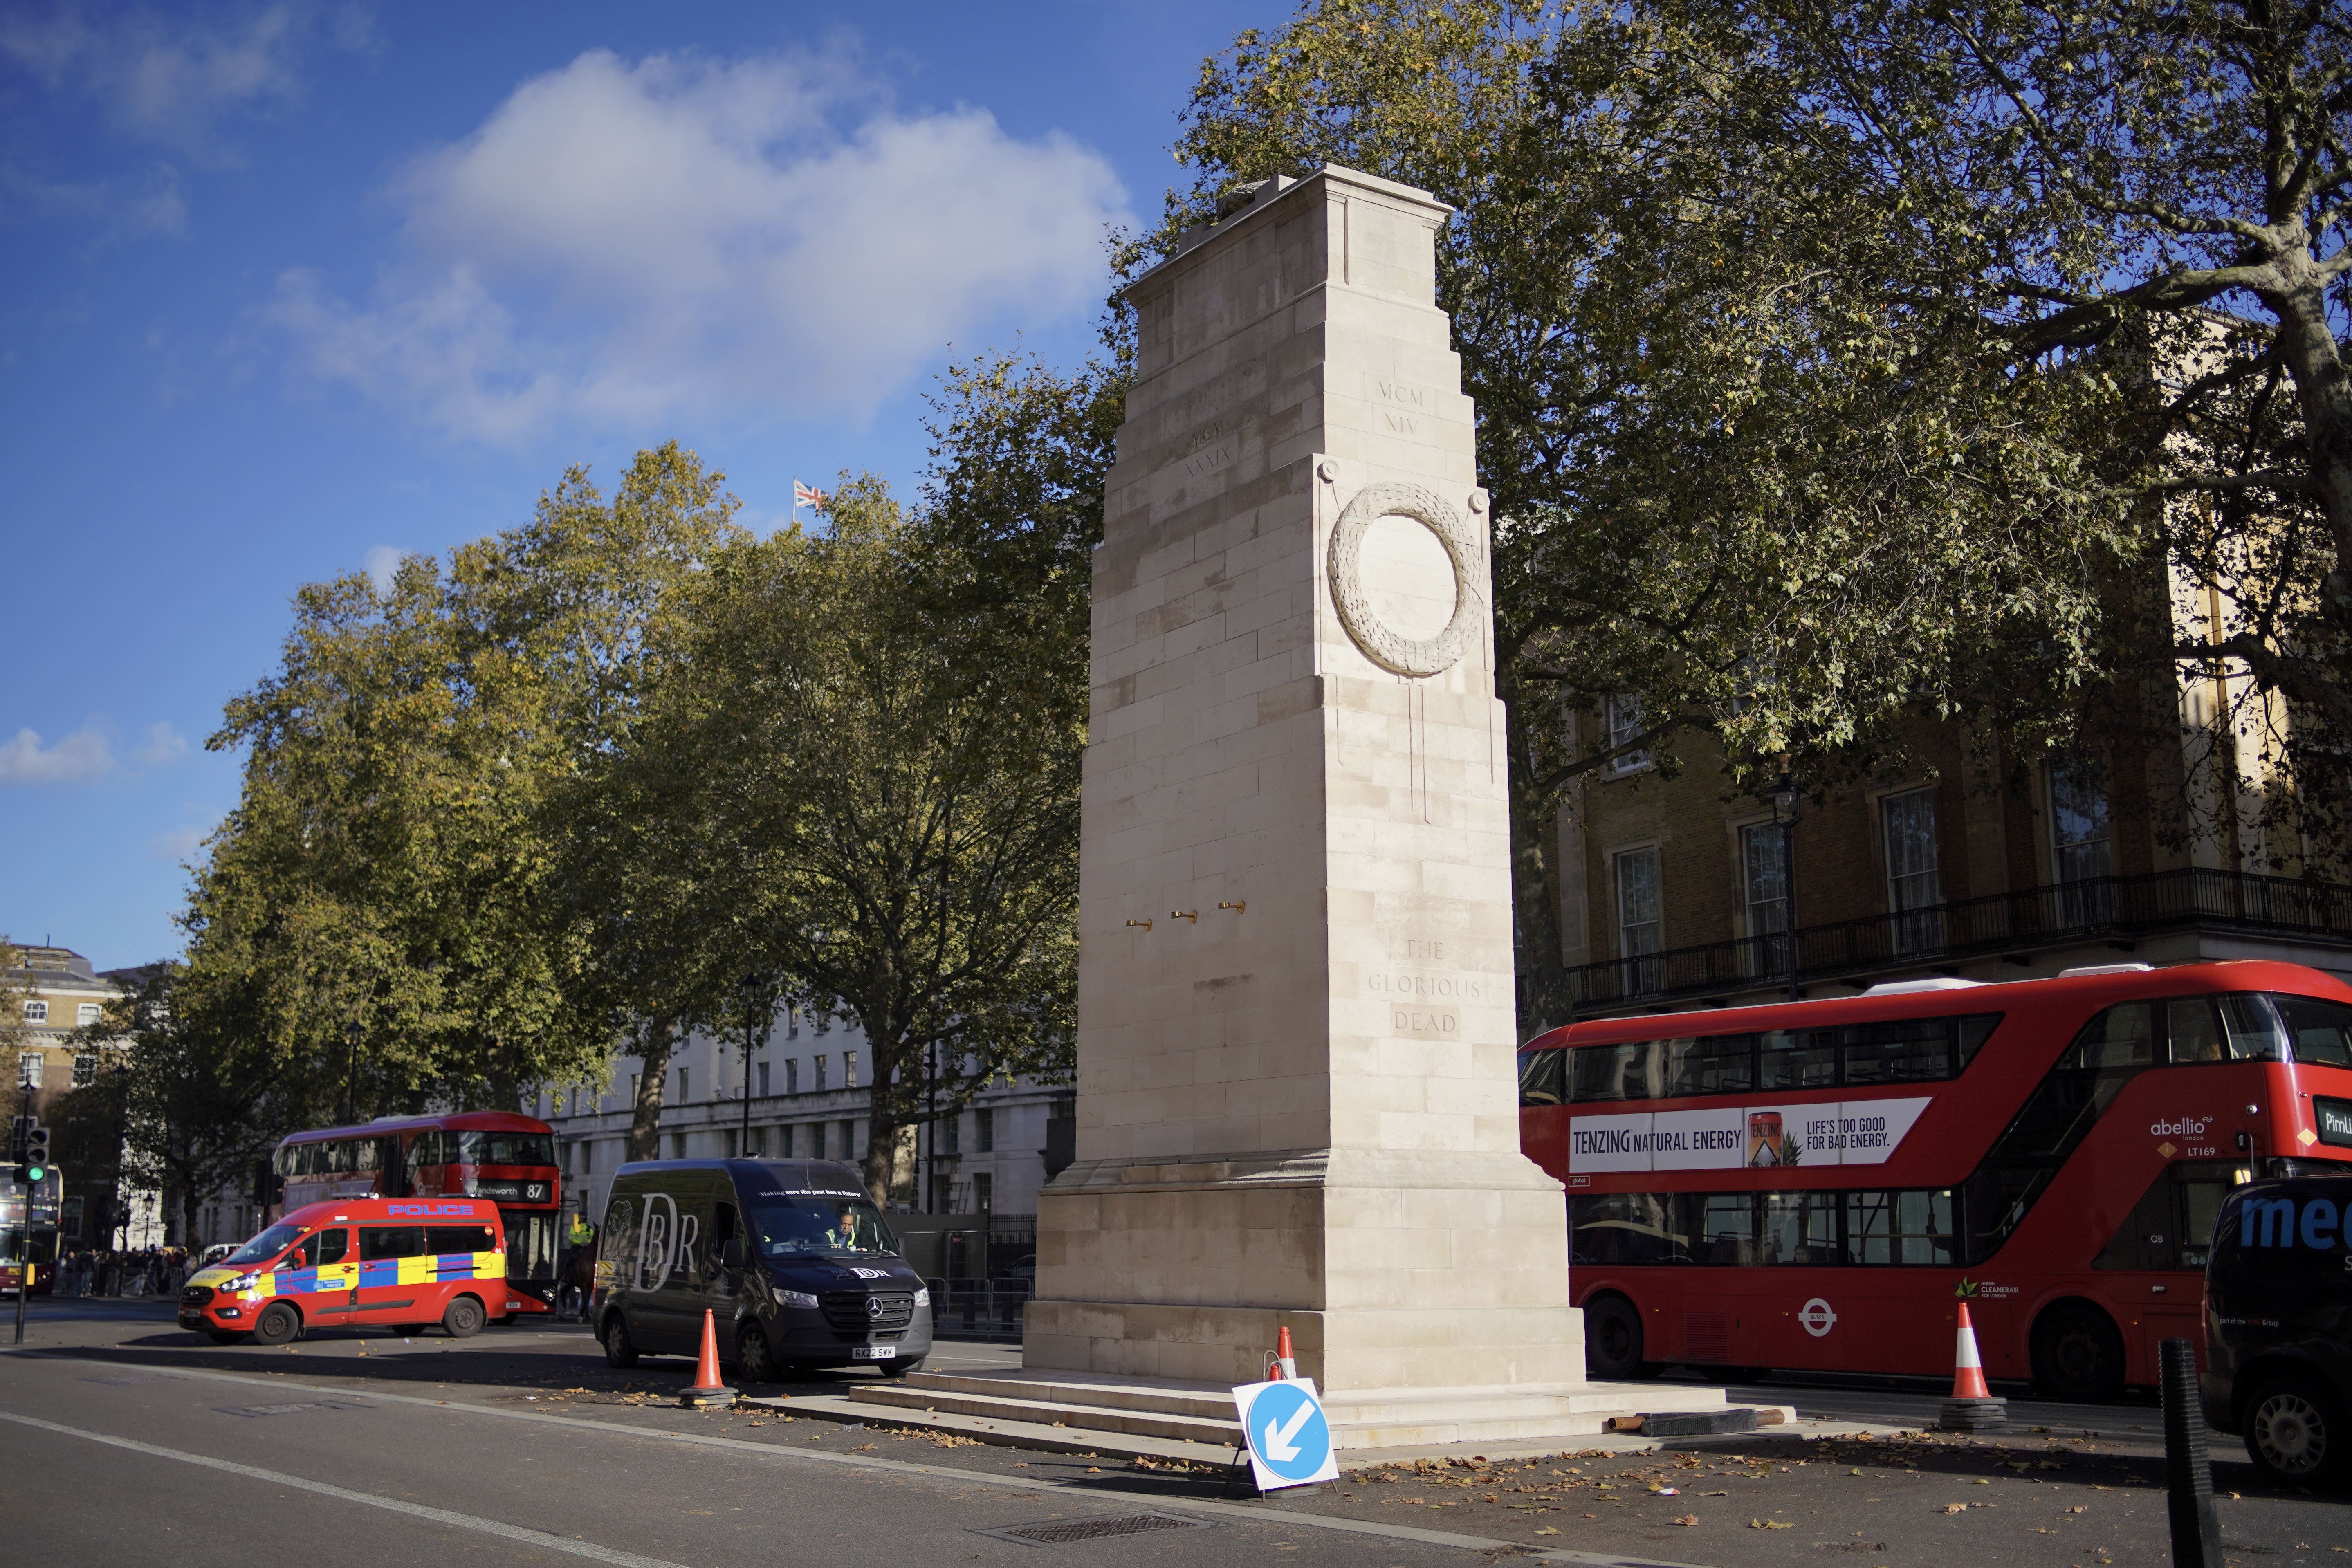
2278	1327
797	1268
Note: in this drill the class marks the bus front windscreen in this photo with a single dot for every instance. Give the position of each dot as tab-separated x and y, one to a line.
805	1226
506	1149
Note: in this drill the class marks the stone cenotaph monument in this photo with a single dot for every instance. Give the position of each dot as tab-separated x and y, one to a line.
1296	1083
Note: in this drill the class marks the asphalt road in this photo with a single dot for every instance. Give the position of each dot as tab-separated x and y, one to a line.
123	1435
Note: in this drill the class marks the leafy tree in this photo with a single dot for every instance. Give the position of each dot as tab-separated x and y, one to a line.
880	792
2163	183
400	856
1748	476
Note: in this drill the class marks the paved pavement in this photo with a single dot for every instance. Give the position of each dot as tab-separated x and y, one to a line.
123	1437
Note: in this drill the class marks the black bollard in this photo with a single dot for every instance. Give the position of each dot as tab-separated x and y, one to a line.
2188	1476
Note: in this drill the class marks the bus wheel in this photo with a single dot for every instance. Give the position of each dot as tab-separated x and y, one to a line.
277	1324
462	1318
2078	1354
752	1357
1613	1340
620	1351
2296	1435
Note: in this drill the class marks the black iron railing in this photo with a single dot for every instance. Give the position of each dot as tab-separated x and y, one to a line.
2116	908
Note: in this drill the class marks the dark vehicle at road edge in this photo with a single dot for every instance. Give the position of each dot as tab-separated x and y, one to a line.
794	1264
2278	1325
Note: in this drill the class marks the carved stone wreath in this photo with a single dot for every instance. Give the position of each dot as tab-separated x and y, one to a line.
1397	654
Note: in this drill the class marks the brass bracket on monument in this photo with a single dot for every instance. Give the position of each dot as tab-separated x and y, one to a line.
1193	915
1236	905
1145	924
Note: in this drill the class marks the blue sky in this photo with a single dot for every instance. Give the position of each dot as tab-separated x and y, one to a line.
287	289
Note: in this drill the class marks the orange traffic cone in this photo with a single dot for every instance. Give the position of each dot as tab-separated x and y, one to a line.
707	1391
1284	1367
1971	1407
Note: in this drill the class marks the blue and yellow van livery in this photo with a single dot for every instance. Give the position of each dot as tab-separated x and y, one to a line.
402	1263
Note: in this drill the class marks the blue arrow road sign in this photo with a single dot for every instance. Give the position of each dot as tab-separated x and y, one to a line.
1289	1440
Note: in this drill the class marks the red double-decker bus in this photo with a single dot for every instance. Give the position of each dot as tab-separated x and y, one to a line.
1813	1184
496	1154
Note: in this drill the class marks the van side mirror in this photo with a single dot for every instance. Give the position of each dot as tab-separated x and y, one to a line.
730	1253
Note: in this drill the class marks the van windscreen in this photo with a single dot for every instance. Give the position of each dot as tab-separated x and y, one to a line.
808	1225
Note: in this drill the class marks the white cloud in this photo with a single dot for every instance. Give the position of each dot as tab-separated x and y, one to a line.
176	843
172	79
382	562
622	243
83	757
162	744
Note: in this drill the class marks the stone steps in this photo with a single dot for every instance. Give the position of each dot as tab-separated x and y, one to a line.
1202	1413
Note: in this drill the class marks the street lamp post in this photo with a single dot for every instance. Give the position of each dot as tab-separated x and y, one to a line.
1785	797
752	990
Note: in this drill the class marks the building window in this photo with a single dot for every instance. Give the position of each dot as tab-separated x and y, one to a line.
37	1012
677	1145
85	1014
850	1140
983	1132
85	1068
1764	888
983	1191
1624	723
2078	843
764	1081
682	1096
849	1070
1914	887
784	1141
588	1158
791	1075
950	1134
28	1070
816	1141
791	1023
820	1072
943	1194
1638	928
727	1140
825	1023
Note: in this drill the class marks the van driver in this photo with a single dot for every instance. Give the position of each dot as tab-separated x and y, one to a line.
843	1236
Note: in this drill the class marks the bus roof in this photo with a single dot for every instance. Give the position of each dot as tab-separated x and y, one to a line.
459	1120
2103	984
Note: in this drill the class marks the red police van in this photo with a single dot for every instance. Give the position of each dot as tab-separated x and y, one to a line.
404	1262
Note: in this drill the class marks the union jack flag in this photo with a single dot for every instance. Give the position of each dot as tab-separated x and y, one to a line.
806	495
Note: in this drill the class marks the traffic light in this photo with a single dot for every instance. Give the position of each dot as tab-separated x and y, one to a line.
20	1130
36	1153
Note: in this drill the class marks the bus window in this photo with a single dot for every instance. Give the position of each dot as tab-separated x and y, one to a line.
2122	1036
1900	1227
2318	1032
1799	1061
1543	1077
1905	1051
1711	1064
1724	1231
1625	1227
2189	1021
1800	1228
1615	1072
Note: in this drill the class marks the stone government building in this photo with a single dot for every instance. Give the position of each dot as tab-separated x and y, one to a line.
1675	897
810	1086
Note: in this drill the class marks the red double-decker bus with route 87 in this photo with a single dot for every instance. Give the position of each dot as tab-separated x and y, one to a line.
500	1155
1813	1184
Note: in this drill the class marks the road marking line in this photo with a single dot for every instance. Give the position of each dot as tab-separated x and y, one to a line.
900	1466
437	1515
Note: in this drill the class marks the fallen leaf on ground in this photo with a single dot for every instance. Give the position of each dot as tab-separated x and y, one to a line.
1956	1508
1547	1530
1687	1519
1769	1525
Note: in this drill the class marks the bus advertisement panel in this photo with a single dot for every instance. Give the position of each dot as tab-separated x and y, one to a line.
500	1155
1813	1184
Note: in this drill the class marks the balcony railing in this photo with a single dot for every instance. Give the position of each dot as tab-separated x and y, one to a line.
2116	907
